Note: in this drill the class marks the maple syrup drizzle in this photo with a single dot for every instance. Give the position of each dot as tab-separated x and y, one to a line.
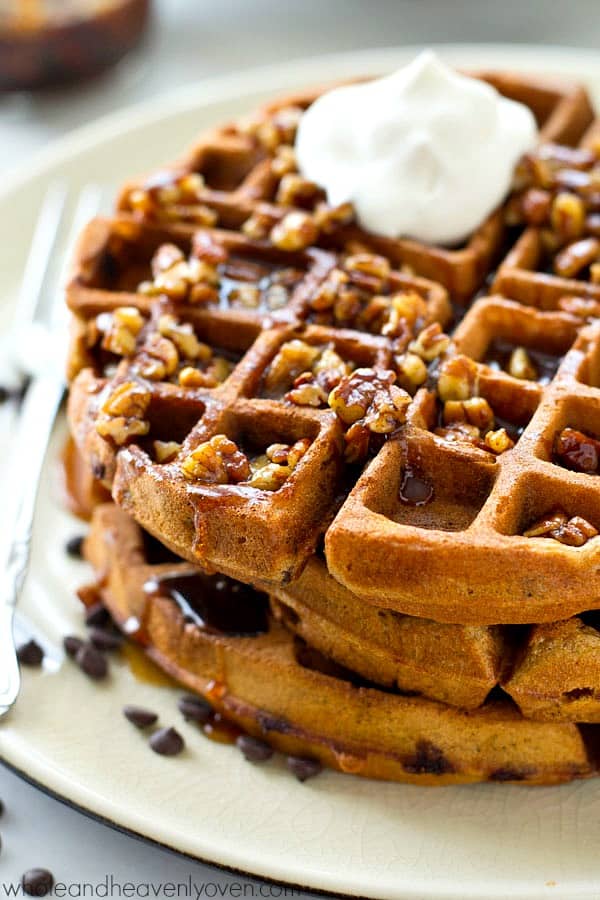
546	364
220	730
415	491
215	603
143	669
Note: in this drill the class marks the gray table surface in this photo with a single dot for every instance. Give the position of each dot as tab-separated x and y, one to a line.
192	39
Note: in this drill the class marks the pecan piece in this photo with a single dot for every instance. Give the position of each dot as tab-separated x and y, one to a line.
578	451
217	461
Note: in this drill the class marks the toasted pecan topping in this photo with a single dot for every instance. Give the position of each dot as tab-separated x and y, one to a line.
172	197
296	231
271	470
575	531
123	413
577	450
368	402
216	461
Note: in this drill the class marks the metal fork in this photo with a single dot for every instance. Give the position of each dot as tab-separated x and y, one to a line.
42	326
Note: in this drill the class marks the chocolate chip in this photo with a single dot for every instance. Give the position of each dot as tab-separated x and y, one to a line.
303	767
37	882
72	643
508	774
140	717
99	471
167	742
195	709
428	760
254	749
74	546
1	808
30	654
97	614
91	662
104	639
4	394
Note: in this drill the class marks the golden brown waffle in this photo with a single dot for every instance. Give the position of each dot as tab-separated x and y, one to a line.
441	524
551	671
235	162
236	529
280	690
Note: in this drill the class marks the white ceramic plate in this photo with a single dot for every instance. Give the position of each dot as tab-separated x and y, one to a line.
335	833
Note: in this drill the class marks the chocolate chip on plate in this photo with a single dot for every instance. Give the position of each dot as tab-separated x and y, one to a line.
303	767
1	808
195	709
254	749
140	717
37	882
105	639
91	662
97	614
74	546
30	654
72	643
167	742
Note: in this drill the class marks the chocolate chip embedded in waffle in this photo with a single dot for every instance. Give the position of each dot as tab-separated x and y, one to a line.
245	173
557	676
277	690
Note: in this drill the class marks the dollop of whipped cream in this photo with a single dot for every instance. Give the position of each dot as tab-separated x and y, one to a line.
425	153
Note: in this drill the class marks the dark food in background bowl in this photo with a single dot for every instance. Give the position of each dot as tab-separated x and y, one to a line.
47	42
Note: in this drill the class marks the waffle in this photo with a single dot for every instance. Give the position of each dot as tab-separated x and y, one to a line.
538	270
276	688
551	671
235	163
445	519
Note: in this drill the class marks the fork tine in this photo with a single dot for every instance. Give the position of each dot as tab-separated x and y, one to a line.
40	255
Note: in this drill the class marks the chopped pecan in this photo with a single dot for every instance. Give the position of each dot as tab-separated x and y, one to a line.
431	343
271	471
576	450
166	451
458	379
217	461
520	365
369	396
412	372
574	532
123	412
292	358
121	329
576	257
296	231
499	441
475	411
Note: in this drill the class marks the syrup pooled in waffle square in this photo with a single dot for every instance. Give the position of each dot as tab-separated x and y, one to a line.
218	638
244	175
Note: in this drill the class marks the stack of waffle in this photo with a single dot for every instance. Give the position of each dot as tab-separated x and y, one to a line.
371	464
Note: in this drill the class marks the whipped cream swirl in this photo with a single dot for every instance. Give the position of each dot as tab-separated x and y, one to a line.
425	153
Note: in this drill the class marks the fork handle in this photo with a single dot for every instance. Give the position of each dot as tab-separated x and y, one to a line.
38	415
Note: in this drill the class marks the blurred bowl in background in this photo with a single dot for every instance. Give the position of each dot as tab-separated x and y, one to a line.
49	42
